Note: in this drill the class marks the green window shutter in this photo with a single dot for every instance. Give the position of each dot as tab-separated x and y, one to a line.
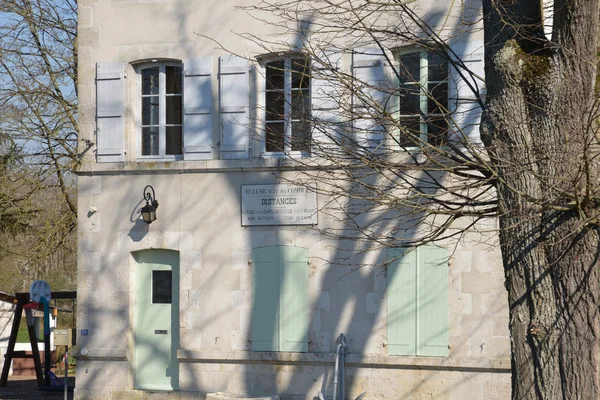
432	302
265	299
294	299
401	304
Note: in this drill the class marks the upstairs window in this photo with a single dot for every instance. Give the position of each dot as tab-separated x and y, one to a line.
287	105
161	110
423	96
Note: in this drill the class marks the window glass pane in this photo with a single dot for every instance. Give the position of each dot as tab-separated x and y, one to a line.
173	109
410	131
161	287
410	100
275	106
173	140
300	73
300	104
150	80
437	99
150	141
150	110
409	67
438	67
437	131
275	75
301	136
173	79
275	137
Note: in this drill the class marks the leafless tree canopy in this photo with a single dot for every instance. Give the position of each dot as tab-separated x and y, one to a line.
393	182
38	136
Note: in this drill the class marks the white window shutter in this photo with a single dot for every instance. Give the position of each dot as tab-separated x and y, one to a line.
325	102
369	99
234	85
109	112
466	87
197	109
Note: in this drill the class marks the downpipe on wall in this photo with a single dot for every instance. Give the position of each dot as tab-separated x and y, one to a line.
339	375
338	378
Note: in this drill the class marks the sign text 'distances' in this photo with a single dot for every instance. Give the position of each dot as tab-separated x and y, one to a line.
281	204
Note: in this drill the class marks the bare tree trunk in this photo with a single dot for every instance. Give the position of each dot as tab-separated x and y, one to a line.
540	128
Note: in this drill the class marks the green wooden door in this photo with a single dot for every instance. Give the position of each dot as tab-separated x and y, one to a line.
157	320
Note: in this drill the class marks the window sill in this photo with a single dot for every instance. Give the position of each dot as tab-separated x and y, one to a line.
159	158
303	161
281	154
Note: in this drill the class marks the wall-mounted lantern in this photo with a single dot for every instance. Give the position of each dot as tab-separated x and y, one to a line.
149	210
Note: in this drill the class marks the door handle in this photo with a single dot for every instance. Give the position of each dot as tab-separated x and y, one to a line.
160	331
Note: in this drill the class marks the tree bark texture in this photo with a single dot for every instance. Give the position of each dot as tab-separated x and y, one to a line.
540	126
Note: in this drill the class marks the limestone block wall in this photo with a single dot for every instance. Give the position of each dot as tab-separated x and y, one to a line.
199	216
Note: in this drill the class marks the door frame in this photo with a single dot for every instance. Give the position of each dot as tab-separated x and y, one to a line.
175	313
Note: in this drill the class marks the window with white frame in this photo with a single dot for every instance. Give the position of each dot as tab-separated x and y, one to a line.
423	99
161	103
287	105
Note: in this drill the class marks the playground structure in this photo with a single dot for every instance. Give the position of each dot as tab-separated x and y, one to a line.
38	298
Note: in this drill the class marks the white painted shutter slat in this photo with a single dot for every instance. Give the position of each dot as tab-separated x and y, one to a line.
197	114
110	122
466	86
325	98
369	101
234	85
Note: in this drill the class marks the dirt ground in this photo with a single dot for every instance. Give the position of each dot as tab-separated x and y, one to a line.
25	387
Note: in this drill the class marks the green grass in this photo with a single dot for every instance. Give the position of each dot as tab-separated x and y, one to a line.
23	335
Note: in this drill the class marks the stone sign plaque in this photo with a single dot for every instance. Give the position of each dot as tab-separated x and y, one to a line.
280	204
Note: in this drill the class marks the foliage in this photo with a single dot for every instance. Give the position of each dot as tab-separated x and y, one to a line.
38	138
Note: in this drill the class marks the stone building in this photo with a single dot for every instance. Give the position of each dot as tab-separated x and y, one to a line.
232	289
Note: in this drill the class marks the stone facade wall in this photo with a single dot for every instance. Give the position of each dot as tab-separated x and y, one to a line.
199	216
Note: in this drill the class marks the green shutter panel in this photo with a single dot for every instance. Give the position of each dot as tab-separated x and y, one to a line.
432	302
401	304
294	299
265	299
